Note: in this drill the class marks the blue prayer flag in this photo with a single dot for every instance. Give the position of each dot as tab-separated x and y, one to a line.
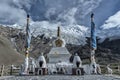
93	34
28	34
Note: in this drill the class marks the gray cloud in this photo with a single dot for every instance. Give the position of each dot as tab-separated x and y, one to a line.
10	13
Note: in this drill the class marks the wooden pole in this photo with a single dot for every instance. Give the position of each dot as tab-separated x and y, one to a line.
11	70
2	70
118	68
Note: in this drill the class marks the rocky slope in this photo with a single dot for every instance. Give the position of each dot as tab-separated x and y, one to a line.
8	55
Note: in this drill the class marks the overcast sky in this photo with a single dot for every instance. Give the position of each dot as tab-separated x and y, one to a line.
67	11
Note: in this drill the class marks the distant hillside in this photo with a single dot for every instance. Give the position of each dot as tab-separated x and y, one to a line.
7	54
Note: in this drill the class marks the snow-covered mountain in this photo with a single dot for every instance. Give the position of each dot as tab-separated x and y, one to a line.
71	15
111	27
74	34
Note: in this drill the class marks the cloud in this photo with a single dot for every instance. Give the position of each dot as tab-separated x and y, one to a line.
69	11
112	22
10	13
66	11
111	28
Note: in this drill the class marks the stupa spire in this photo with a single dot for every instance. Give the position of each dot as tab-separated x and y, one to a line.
58	32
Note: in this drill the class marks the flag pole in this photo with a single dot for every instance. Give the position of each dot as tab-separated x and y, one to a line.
93	36
93	42
27	46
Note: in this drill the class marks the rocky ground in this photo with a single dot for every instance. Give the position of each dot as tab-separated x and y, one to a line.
61	77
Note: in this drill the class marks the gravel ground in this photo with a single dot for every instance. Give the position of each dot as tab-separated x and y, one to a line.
62	77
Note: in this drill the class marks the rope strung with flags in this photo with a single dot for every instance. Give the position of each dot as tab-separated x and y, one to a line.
28	35
93	34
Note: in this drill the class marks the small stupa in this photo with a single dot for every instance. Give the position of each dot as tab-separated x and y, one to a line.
77	62
42	61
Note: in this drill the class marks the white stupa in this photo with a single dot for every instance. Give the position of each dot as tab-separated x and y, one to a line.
42	58
59	52
77	59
